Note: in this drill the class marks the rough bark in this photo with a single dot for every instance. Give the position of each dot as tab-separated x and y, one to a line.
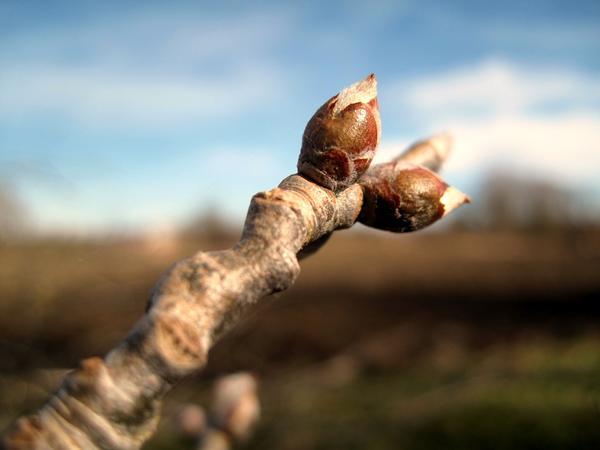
114	402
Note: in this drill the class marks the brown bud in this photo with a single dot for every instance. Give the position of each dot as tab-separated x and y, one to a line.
402	197
340	139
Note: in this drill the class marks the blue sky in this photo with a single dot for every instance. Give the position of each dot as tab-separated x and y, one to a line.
129	115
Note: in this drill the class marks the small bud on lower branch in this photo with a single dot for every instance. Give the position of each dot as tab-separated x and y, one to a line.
339	141
191	420
233	415
403	197
236	407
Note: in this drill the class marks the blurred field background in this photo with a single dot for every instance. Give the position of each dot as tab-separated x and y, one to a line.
132	136
454	338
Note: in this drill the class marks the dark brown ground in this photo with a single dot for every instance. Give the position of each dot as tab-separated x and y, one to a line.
432	340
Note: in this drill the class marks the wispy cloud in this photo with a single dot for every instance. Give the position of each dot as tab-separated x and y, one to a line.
497	86
157	36
153	70
93	97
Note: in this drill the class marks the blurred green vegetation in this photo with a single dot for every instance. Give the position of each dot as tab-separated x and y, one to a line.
533	394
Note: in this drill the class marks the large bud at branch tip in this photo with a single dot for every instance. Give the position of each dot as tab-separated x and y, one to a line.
402	197
340	139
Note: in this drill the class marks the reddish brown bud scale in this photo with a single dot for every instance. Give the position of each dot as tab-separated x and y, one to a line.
402	197
340	139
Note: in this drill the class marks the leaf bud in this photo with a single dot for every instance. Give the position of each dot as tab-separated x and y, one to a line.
340	139
402	197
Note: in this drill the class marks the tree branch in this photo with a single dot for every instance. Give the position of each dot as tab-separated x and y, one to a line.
114	403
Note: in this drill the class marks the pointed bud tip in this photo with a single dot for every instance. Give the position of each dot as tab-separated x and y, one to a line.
363	91
452	199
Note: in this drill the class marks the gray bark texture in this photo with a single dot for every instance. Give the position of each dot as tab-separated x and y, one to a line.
114	402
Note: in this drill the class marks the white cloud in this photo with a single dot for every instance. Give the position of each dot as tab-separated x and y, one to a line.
565	147
512	128
495	86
